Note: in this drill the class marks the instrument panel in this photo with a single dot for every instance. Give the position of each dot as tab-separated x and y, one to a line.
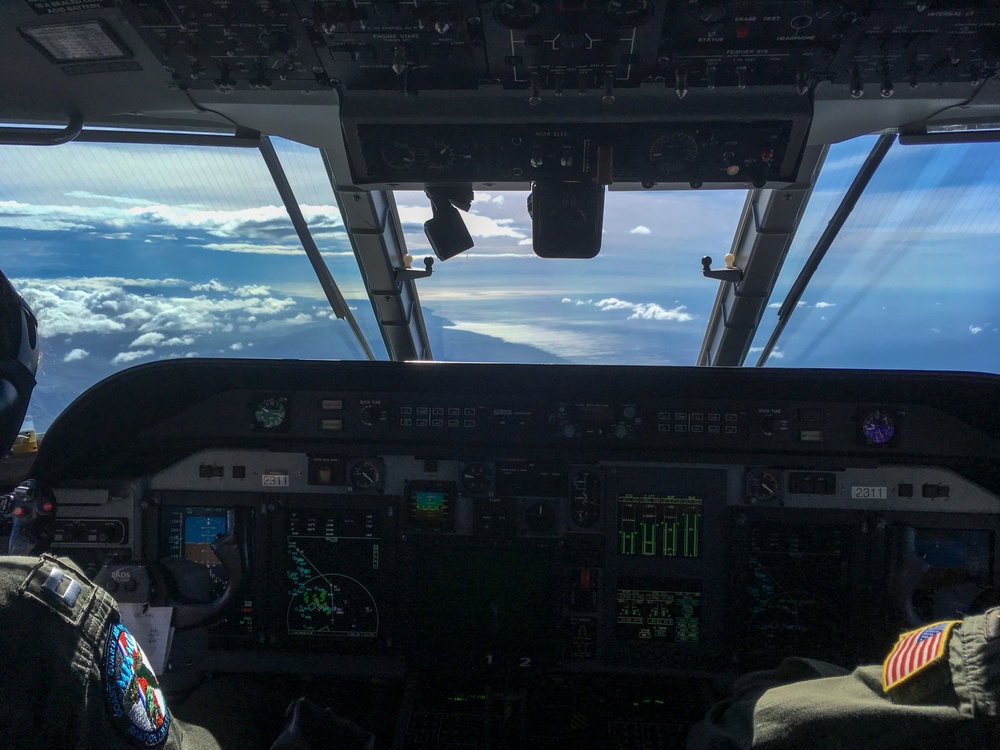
532	525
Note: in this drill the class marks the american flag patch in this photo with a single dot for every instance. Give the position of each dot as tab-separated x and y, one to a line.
914	651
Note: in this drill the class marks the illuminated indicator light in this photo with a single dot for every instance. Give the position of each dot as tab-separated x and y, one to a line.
19	511
742	32
733	170
47	507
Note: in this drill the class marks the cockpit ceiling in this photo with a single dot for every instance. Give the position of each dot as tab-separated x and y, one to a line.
659	94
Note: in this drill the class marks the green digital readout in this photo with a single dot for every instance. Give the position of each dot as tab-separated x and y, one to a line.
659	611
659	526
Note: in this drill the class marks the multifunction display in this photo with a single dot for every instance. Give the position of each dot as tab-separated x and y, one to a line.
659	525
187	532
334	570
664	611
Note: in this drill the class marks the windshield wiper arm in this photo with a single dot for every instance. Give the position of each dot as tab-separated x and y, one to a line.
837	221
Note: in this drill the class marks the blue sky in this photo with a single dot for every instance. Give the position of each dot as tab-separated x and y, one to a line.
132	254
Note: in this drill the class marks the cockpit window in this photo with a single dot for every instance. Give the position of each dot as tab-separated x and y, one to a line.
642	300
911	281
134	253
131	253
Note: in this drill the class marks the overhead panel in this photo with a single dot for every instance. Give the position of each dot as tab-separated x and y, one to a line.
669	95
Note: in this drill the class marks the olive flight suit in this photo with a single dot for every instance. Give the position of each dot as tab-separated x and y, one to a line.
71	675
939	688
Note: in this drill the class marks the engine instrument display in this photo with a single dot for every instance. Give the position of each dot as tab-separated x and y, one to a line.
661	611
659	525
334	573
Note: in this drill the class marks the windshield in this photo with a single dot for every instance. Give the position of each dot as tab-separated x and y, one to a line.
642	300
911	281
133	253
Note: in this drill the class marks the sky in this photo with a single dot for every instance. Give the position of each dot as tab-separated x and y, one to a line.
131	254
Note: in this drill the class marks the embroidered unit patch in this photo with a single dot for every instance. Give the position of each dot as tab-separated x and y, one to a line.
134	694
914	651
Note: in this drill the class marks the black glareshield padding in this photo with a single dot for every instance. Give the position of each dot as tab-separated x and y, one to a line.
18	361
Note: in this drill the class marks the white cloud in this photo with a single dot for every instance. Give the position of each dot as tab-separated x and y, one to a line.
975	329
75	355
152	338
248	247
655	312
211	286
125	357
110	305
180	341
247	224
822	305
236	347
252	290
497	198
775	305
775	352
62	310
643	310
612	303
106	198
640	230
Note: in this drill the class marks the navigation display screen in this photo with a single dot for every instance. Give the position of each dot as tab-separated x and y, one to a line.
659	526
662	611
334	573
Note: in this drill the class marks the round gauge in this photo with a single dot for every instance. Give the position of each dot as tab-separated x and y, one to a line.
878	427
440	157
334	605
629	13
365	475
585	499
476	478
270	413
762	486
673	152
398	155
539	518
518	14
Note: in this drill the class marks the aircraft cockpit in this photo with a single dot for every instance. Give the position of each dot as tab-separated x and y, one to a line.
507	374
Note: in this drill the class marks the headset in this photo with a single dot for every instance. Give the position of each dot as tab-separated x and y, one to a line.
18	361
